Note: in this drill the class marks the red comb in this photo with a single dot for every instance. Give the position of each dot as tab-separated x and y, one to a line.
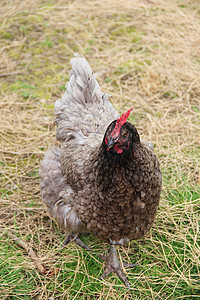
121	121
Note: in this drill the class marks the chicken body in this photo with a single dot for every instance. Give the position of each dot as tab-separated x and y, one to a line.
85	187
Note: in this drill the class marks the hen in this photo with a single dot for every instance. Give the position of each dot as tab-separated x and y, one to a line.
102	178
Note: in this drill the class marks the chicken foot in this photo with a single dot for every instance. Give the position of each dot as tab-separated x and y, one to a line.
75	238
112	261
113	265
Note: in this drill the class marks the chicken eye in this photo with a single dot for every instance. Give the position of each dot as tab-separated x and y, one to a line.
125	134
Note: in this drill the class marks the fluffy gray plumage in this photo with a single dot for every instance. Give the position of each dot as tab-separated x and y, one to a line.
86	185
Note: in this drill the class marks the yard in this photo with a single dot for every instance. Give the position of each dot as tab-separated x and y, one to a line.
145	54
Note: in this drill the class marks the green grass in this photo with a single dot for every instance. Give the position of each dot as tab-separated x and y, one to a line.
165	265
143	55
16	281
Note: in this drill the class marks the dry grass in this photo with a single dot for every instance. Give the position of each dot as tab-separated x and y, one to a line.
146	54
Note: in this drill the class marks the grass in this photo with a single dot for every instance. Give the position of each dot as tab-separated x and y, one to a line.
144	54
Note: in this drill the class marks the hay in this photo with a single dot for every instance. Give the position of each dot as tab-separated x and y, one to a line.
146	54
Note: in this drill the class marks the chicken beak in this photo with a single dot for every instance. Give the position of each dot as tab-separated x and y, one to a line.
111	143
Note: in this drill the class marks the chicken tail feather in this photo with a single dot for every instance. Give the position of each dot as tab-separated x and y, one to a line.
84	108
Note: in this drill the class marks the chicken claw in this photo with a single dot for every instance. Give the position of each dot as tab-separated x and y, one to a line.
77	240
113	266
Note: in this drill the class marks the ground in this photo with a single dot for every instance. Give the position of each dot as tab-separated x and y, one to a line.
145	54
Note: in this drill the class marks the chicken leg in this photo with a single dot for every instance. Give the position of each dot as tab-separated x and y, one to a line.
75	238
113	265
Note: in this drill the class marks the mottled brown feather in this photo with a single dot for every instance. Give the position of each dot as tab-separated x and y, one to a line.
83	186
